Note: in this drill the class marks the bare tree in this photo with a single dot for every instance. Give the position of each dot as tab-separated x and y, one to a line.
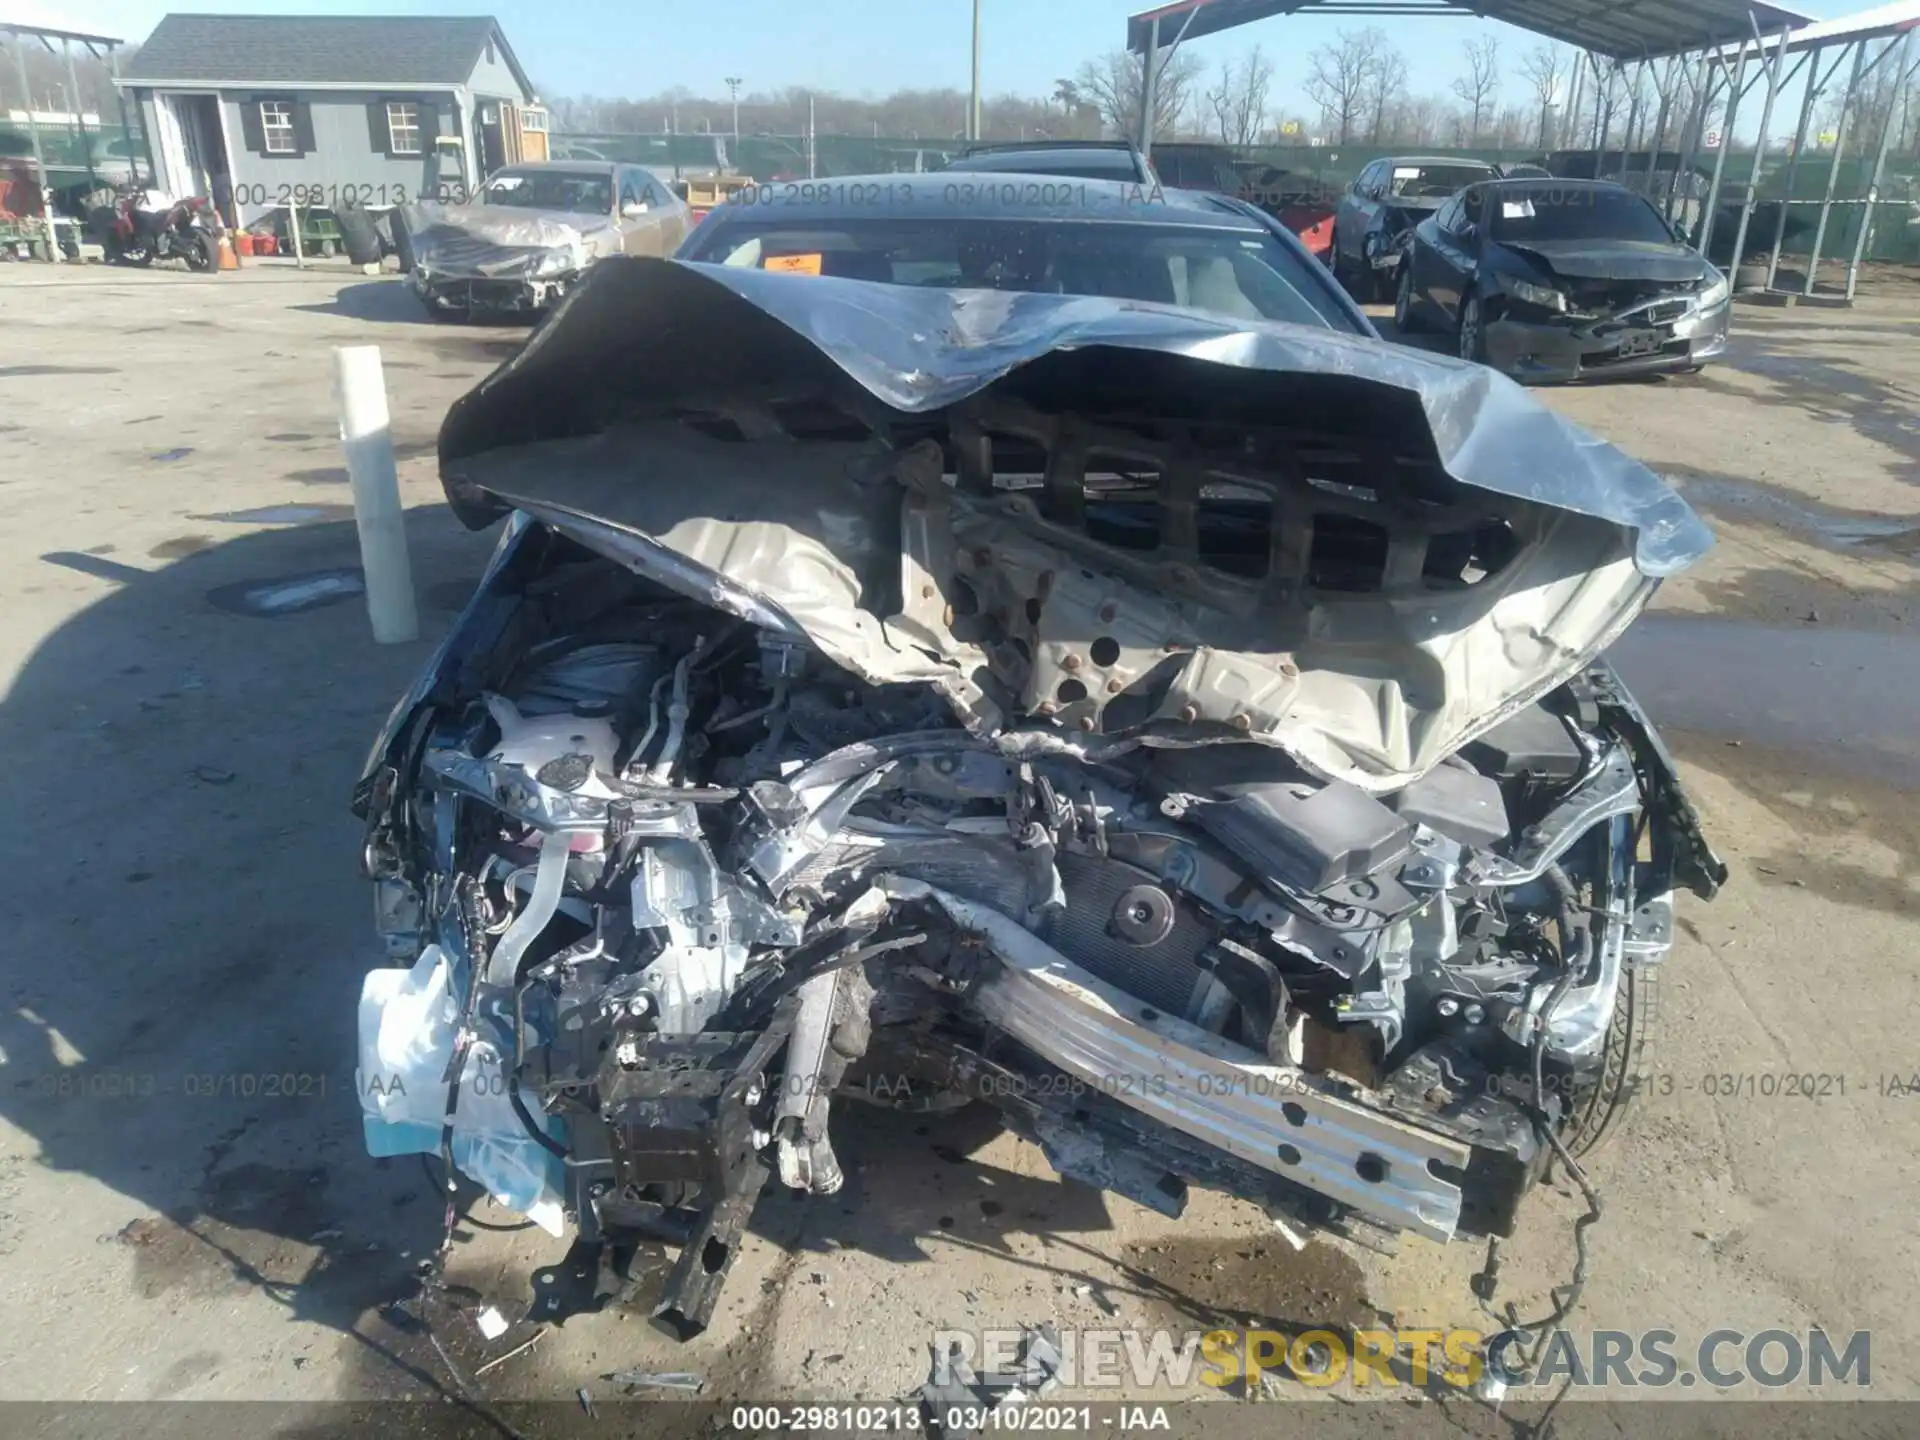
1239	99
1543	71
1481	84
1113	85
1386	85
1338	76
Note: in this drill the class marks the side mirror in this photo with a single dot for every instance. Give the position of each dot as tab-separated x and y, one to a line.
633	209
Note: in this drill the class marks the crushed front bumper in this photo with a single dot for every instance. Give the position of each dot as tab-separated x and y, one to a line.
1540	348
455	294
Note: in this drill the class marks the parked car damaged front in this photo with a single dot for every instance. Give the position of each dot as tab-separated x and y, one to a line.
1188	736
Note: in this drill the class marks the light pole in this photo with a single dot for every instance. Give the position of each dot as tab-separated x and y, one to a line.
733	89
973	108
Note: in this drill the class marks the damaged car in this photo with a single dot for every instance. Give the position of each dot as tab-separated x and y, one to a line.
1379	210
1187	734
1560	280
531	231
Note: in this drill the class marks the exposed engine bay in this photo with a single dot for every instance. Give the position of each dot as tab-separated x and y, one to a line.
1224	801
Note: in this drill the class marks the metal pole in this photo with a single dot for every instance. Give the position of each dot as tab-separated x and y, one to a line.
1568	130
1603	121
973	108
1900	77
1815	84
33	134
1736	82
1774	66
126	125
1634	107
1149	86
1833	166
1660	125
293	230
1690	134
813	144
79	119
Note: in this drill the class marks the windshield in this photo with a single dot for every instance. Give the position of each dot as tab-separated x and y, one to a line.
583	194
1551	212
1433	182
1242	274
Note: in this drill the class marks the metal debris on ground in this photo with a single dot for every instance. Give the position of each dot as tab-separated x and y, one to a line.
955	1387
586	1403
656	1380
520	1349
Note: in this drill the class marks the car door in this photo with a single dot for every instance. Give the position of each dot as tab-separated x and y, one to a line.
1456	251
1350	226
631	213
673	216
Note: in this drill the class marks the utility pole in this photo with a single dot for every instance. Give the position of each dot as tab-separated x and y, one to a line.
973	108
812	144
733	88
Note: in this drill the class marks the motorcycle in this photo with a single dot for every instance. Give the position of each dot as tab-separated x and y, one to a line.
143	225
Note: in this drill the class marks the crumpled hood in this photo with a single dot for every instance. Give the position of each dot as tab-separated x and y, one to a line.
497	240
1614	259
775	446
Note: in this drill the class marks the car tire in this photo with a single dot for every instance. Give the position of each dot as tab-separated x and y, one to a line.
1470	334
1406	320
201	255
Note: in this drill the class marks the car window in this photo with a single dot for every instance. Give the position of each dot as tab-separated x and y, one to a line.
1449	217
631	193
1563	212
529	189
1467	209
1430	182
1243	274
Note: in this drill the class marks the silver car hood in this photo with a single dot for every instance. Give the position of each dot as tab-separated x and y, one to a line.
1119	518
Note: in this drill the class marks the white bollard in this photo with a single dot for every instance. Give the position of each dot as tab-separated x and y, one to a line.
360	390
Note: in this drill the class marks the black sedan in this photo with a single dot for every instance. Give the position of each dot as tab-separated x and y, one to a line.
1040	233
1555	280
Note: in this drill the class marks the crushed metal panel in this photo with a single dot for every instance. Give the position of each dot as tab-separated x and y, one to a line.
1013	599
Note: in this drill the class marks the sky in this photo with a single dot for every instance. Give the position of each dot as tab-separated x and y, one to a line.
615	48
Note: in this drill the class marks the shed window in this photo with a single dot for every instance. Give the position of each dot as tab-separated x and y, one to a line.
403	127
276	127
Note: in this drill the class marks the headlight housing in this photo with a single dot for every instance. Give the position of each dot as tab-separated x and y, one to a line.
1717	293
555	262
1545	296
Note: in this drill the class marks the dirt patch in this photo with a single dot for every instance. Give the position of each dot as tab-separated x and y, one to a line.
181	546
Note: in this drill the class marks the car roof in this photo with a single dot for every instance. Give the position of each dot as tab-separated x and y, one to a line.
565	167
1009	195
1458	161
1122	159
1554	182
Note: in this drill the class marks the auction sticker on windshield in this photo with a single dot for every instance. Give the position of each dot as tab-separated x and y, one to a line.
794	264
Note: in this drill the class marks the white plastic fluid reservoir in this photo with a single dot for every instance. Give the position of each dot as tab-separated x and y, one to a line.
407	1022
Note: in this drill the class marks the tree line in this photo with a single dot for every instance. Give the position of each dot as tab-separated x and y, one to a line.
1356	91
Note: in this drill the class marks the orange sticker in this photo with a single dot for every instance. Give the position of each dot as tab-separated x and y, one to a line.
794	264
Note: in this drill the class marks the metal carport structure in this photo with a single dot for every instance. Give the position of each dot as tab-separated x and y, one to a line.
1717	39
19	28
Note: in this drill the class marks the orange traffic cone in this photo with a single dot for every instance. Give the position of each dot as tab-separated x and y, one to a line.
228	260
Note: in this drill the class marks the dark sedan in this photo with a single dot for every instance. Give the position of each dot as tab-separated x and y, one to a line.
1556	280
1041	233
1385	202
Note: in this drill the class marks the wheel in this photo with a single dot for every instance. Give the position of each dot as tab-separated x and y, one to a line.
1595	1115
1405	319
1472	332
200	253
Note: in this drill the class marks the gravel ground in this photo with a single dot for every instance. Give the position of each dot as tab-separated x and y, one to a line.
185	1207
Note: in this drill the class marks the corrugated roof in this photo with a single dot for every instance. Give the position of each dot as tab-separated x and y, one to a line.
1881	22
315	50
1626	29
